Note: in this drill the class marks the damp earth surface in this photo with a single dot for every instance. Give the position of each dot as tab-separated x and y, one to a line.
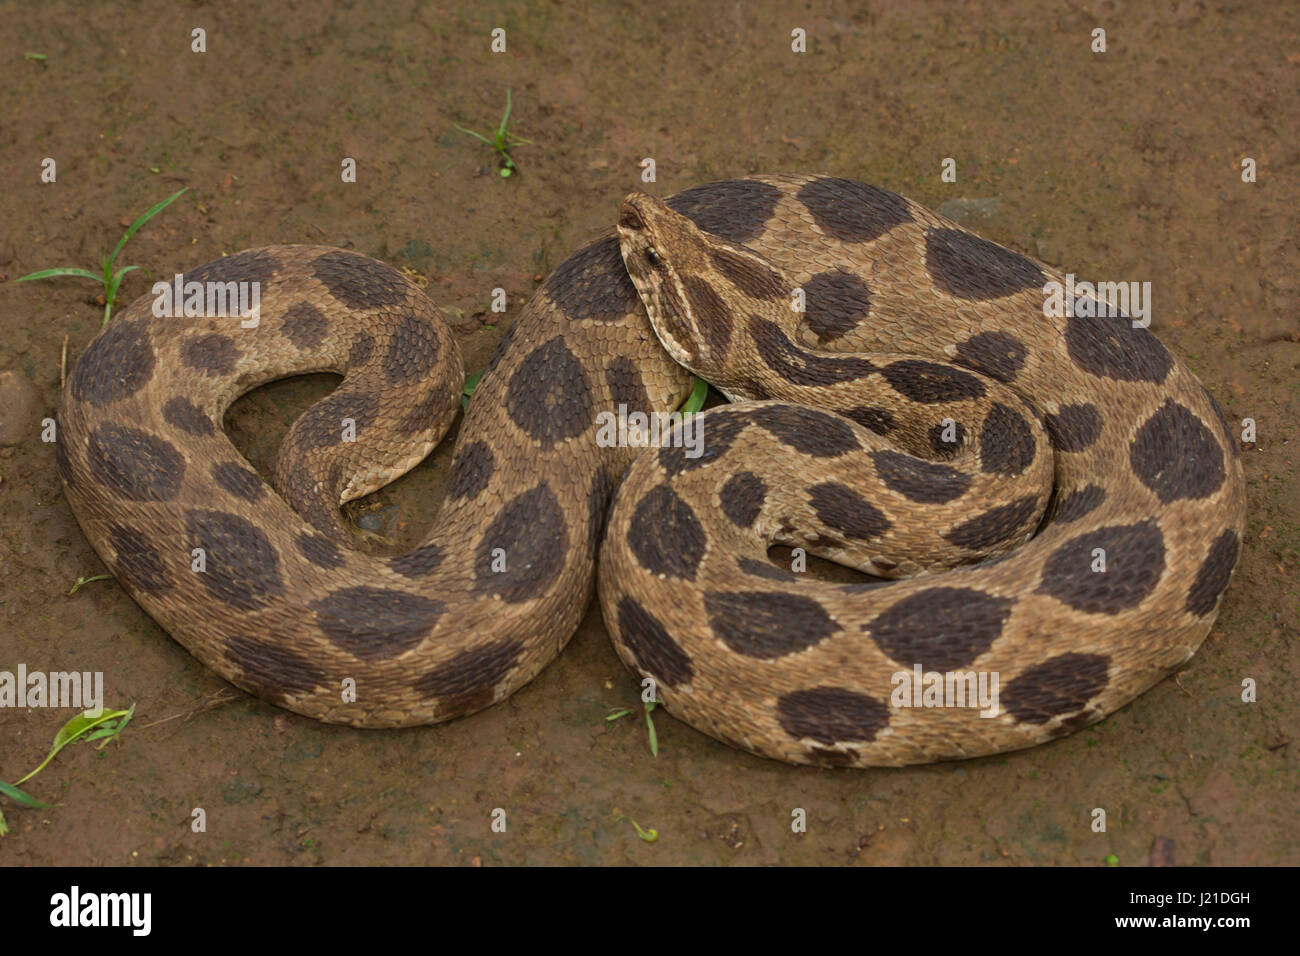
1123	165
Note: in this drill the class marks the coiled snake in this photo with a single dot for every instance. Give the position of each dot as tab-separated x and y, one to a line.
1061	498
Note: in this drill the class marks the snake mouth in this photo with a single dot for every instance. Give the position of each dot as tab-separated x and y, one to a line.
661	324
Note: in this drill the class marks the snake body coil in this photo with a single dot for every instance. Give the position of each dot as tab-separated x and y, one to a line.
1061	498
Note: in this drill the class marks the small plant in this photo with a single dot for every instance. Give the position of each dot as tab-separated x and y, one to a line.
110	279
649	834
501	141
82	581
107	726
653	737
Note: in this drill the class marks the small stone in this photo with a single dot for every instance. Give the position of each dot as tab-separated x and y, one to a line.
967	211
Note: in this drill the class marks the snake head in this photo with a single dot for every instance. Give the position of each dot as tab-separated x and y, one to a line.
695	286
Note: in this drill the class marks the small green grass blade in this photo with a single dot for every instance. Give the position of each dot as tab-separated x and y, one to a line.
19	797
650	728
135	226
64	271
475	134
501	131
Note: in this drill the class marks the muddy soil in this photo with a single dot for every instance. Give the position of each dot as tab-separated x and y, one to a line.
1123	165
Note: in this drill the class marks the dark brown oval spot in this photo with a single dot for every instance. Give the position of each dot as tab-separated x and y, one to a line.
212	353
1058	686
549	397
941	629
424	416
362	347
831	715
270	669
626	386
968	267
376	623
417	562
1176	456
834	303
931	383
719	426
1073	427
116	365
654	649
1135	559
471	471
919	480
412	350
845	511
135	464
1079	502
468	681
320	551
764	569
139	566
359	281
806	430
853	211
238	480
1007	445
742	498
872	418
593	284
1214	574
254	265
734	209
304	325
183	414
322	425
665	535
1109	346
947	439
999	355
1228	434
242	566
532	533
995	525
767	624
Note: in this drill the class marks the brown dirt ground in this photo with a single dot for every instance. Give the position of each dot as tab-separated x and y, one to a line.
1123	165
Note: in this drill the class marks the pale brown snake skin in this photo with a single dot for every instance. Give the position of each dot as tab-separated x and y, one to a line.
915	328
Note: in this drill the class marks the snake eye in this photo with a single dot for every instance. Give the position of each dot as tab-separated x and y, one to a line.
652	256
